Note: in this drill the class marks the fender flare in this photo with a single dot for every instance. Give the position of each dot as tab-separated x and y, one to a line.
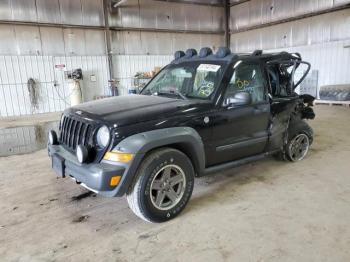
185	139
297	125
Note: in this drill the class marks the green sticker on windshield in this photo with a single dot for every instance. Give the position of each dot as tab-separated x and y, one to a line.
208	67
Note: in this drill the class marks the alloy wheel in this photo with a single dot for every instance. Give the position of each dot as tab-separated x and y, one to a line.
167	187
299	147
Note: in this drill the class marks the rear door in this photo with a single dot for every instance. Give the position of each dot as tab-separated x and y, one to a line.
241	131
284	77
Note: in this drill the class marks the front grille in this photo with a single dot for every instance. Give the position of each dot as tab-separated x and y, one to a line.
75	132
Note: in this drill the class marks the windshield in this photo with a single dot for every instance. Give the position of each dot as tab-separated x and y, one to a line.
187	80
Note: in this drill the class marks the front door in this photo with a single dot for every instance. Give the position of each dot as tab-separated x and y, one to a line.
241	131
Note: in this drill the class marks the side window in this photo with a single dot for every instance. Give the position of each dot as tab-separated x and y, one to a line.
247	78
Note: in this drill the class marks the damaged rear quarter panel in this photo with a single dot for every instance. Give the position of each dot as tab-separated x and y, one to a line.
282	111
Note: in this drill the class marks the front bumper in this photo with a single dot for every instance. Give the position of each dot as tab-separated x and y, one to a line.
94	176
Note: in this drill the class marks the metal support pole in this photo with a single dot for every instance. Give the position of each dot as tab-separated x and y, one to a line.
227	23
108	39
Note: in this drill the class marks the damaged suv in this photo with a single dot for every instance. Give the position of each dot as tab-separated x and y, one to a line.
200	114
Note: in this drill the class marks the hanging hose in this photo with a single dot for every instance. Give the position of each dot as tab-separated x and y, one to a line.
33	94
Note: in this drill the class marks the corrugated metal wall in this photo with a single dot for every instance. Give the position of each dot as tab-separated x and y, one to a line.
128	65
331	60
32	51
135	51
77	12
145	34
257	12
168	15
38	40
320	39
308	31
51	86
155	43
28	51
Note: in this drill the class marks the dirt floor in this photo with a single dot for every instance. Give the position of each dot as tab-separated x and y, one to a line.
265	211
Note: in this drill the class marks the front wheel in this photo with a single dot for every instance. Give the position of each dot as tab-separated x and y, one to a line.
163	185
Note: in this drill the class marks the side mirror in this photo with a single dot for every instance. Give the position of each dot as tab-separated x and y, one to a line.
239	99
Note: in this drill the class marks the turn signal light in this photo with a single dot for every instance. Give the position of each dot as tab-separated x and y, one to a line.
117	156
114	180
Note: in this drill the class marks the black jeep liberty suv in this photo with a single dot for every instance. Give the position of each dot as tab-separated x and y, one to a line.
200	114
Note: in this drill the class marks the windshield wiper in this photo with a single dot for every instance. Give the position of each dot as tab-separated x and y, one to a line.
175	92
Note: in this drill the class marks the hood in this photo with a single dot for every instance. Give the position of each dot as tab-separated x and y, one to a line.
129	109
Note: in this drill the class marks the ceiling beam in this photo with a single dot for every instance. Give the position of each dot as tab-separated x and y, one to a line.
221	4
12	22
158	30
239	2
65	26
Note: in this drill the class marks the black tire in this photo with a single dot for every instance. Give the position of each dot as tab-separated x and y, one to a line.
142	197
298	129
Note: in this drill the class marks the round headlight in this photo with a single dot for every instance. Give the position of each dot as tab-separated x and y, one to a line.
103	136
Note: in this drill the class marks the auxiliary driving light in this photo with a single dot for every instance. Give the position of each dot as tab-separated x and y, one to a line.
82	154
53	137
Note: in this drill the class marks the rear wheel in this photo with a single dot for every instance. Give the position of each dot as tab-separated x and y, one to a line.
298	147
163	185
300	137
